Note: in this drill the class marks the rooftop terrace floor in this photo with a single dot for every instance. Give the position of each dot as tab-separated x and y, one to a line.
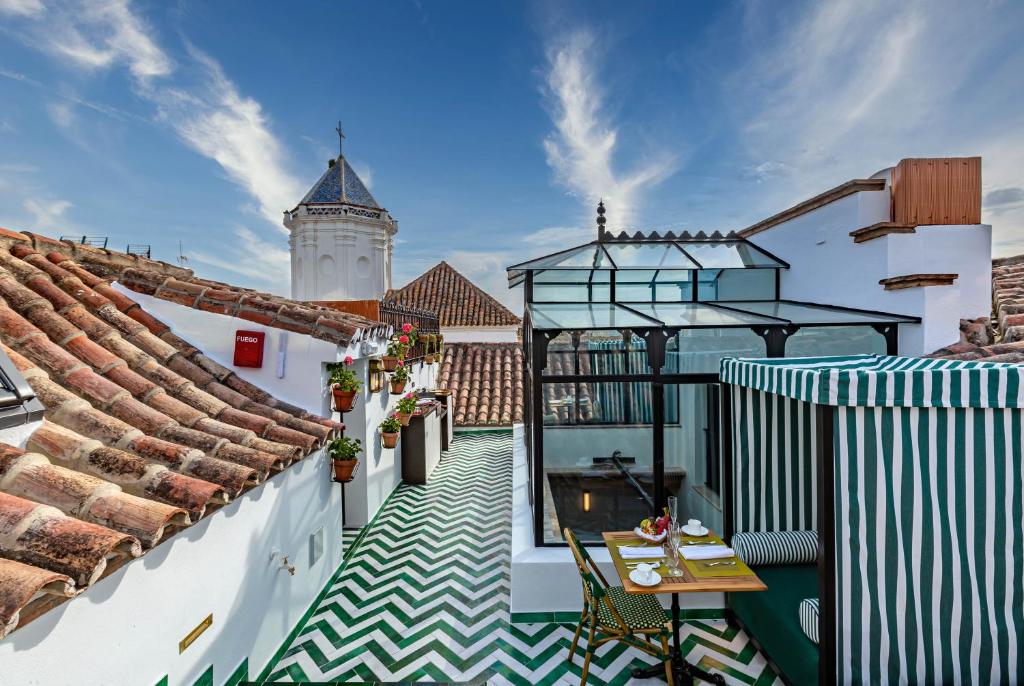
423	595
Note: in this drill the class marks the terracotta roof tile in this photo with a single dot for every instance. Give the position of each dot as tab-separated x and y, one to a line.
143	433
486	383
20	584
456	300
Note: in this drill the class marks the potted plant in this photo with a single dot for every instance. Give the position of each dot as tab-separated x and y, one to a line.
343	452
428	347
393	356
405	407
344	384
399	377
389	429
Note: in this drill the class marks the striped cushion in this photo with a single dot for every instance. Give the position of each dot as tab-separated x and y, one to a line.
776	547
809	618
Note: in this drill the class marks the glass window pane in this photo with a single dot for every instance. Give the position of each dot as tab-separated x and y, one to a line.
599	353
699	351
835	340
728	255
588	256
813	314
698	314
586	431
571	276
692	463
736	284
565	292
648	256
586	316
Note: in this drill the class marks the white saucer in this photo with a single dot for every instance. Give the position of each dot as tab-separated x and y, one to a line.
653	580
702	531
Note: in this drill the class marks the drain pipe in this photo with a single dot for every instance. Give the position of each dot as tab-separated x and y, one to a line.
631	480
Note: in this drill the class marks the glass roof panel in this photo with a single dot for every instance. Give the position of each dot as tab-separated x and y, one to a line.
660	255
589	256
802	314
571	276
698	315
575	316
729	255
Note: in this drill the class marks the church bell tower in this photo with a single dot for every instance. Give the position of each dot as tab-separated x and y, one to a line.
341	239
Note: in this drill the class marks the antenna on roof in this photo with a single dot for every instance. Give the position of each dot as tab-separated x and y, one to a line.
182	260
600	219
341	138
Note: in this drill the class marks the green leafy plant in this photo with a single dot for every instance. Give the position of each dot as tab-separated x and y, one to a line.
344	448
400	375
391	425
406	404
343	377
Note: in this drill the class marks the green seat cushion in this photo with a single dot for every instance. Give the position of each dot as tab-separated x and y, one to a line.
772	618
637	611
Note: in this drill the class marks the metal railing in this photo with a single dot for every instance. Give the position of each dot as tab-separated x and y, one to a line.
94	241
425	321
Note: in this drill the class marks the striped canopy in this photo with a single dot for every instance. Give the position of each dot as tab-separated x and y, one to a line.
882	381
927	504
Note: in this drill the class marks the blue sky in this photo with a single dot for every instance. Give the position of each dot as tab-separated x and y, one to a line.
488	129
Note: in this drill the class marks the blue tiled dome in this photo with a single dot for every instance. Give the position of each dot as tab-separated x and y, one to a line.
340	184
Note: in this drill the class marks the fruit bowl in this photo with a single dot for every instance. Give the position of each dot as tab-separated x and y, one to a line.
653	538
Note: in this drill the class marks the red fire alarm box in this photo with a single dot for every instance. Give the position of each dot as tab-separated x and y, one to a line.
249	348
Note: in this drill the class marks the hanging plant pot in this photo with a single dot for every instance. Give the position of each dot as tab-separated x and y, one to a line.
343	469
390	363
397	387
389	440
343	400
404	418
429	359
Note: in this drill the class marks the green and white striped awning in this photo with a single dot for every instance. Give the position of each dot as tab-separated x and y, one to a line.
882	381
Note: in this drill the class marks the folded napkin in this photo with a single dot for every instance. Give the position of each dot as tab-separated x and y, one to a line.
706	552
629	552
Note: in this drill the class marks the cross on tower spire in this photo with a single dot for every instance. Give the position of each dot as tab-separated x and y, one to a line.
341	138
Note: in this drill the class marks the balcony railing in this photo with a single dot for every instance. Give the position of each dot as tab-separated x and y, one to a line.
425	321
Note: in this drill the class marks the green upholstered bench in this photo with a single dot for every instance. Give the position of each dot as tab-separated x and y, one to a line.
772	619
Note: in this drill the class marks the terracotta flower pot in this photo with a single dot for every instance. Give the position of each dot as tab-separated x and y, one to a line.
397	387
389	440
390	363
429	359
343	400
343	469
404	418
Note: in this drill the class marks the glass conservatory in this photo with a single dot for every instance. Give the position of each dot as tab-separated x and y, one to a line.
622	340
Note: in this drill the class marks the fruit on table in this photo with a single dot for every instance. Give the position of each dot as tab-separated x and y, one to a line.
656	527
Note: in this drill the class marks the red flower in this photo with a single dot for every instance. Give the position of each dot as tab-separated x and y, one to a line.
403	339
406	328
348	359
401	363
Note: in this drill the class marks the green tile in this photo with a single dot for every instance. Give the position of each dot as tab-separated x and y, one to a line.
206	678
240	674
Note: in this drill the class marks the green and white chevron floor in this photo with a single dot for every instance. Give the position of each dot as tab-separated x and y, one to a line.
424	597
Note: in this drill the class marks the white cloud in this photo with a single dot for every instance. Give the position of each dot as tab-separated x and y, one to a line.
23	8
581	148
47	215
250	256
560	236
220	123
61	114
487	270
97	34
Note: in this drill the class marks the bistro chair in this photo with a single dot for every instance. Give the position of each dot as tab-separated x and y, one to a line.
611	615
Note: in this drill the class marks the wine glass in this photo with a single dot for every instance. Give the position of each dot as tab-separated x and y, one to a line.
673	510
671	548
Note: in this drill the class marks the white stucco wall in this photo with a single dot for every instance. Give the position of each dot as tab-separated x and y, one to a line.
828	267
125	629
481	334
305	384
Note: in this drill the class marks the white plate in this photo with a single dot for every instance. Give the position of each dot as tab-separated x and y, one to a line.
650	537
653	580
702	531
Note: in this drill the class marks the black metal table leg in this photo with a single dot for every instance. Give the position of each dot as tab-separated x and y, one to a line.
683	672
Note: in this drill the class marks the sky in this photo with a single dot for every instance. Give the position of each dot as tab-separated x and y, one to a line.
489	130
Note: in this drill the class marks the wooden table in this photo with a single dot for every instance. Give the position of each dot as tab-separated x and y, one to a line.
685	673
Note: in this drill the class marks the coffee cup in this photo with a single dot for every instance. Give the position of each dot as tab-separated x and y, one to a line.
646	571
693	524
